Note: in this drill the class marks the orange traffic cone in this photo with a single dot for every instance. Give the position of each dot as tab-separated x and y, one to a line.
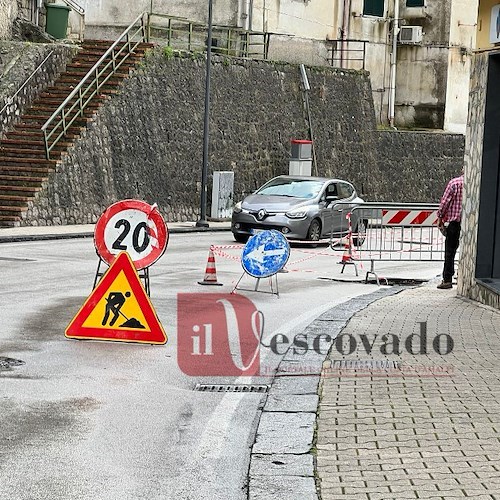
347	255
210	272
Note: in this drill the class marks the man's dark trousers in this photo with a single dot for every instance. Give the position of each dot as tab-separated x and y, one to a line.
450	250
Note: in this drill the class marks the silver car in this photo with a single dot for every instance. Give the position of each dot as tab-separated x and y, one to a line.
302	208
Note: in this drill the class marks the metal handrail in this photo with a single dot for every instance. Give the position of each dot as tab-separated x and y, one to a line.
90	85
183	34
75	6
10	100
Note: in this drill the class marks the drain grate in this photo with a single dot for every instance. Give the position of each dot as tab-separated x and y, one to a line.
365	364
398	281
231	388
7	363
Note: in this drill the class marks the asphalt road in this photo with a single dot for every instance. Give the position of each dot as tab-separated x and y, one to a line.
102	420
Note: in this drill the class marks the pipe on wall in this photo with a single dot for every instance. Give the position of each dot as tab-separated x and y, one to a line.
392	85
344	30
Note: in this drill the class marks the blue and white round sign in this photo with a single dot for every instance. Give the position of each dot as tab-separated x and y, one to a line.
265	254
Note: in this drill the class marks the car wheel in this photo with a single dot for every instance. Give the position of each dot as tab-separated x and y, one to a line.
241	238
314	231
360	233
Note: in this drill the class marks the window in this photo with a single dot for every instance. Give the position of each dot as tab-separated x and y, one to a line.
373	8
415	3
345	190
331	190
284	186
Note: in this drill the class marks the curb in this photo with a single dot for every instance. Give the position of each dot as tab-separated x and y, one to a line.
282	463
90	234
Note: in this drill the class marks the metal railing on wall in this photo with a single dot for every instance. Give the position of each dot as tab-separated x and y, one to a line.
10	100
73	107
181	34
347	53
175	32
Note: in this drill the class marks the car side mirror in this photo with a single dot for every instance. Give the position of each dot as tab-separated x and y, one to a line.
332	197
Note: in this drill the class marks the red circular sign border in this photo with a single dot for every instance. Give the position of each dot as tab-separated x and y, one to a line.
117	207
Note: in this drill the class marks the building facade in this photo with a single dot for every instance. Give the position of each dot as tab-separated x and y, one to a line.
419	82
479	270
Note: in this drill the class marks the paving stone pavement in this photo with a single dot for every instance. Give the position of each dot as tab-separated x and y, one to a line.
430	430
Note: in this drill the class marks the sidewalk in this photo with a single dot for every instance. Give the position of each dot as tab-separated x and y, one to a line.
372	425
33	233
415	431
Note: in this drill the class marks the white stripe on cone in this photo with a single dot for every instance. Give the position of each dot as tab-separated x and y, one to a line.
210	271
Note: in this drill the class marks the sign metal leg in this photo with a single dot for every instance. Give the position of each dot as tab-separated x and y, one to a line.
144	276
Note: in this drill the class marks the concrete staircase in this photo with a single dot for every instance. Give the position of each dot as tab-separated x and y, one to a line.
23	163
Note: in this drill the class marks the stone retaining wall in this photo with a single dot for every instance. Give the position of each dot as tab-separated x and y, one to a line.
147	141
18	60
416	166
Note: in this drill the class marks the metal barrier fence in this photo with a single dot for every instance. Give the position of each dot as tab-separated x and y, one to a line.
390	232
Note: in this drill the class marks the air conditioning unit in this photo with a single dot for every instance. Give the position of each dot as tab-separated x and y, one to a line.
410	34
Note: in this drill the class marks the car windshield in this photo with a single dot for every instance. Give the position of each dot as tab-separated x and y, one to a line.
296	188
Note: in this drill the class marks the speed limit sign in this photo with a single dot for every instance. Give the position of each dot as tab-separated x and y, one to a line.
132	226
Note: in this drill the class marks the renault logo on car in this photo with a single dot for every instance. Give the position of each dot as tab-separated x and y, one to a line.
261	214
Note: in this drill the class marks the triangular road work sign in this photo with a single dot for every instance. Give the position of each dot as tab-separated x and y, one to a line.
118	309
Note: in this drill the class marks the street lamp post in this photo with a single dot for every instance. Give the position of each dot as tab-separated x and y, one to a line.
202	222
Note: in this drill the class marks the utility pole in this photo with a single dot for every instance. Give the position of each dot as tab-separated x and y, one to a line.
202	222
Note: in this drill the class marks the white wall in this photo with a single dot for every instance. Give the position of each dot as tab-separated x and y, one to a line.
8	12
123	12
462	41
308	19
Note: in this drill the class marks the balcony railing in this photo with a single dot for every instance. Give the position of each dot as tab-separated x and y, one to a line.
347	53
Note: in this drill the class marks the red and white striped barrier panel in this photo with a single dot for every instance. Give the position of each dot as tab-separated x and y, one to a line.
409	218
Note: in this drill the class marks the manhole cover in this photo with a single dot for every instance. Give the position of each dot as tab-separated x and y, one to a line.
231	388
365	364
7	363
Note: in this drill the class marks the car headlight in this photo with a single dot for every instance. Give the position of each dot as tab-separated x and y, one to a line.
296	214
237	208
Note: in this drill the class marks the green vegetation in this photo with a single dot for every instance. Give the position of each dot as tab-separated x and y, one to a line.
168	52
195	54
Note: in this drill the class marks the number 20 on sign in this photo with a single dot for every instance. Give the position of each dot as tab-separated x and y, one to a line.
131	226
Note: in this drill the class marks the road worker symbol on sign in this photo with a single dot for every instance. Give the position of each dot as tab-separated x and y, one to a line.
118	309
114	303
